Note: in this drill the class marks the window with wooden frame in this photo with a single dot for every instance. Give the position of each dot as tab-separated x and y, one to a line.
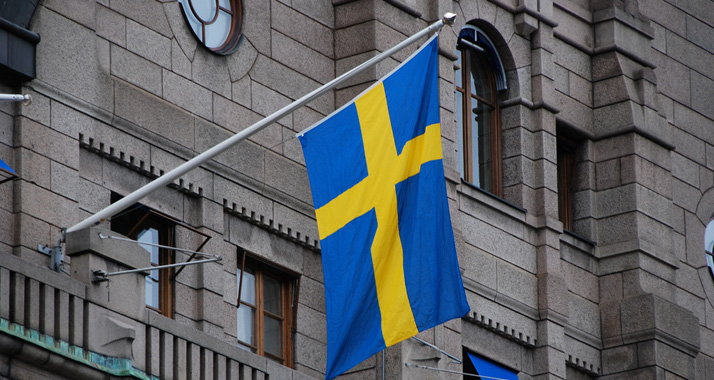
566	180
147	226
267	308
479	77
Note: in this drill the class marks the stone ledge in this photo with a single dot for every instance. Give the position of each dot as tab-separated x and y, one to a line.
269	225
648	317
502	299
492	201
582	337
620	15
510	334
632	247
138	167
43	274
582	366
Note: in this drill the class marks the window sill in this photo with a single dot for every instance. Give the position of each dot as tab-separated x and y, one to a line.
482	196
571	237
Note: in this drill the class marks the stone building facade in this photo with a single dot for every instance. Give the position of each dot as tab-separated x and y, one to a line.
581	243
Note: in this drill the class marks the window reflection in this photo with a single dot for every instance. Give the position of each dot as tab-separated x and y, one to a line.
709	245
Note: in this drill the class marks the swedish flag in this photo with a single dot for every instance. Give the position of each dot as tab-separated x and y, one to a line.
377	179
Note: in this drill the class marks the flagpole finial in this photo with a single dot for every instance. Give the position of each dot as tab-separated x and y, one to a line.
449	18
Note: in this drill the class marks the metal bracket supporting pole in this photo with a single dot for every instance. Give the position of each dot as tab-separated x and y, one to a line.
101	276
454	359
55	253
181	250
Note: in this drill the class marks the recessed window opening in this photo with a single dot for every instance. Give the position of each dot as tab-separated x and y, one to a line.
567	150
146	225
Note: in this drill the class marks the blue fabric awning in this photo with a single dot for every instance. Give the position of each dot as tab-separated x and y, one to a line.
490	370
7	167
6	172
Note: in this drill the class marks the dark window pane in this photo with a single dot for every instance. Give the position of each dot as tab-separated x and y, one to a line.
566	180
272	336
271	295
481	145
480	80
484	154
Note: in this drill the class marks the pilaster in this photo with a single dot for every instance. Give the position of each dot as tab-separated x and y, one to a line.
549	358
644	332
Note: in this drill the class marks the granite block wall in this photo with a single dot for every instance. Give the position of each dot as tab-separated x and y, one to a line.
124	93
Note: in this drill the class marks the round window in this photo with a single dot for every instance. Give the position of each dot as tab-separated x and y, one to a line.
709	245
216	23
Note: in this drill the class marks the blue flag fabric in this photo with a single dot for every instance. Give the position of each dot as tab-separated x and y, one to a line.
377	179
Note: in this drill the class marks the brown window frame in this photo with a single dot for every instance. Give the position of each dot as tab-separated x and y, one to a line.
567	155
496	169
289	285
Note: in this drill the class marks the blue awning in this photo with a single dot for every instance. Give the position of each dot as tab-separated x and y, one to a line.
6	172
488	369
6	167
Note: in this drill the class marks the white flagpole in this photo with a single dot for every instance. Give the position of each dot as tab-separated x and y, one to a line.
187	166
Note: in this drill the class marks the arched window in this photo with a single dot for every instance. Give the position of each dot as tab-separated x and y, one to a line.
709	246
479	78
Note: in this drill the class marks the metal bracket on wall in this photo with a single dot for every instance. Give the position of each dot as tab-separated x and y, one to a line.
101	276
55	253
454	359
